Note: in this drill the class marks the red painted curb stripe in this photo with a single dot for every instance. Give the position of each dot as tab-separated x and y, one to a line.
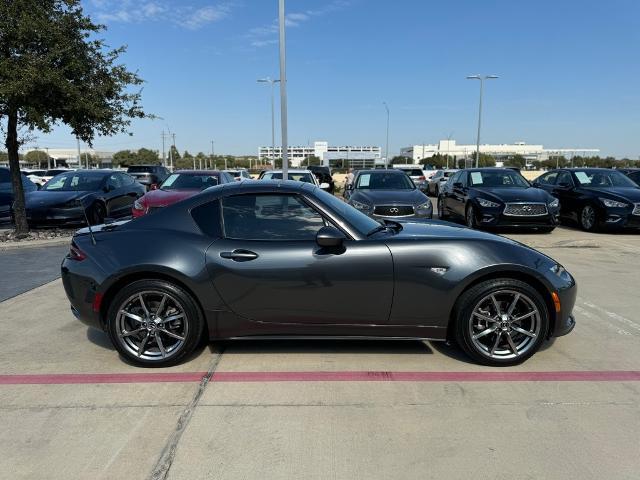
236	377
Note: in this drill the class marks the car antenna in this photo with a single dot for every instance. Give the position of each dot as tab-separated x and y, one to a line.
84	212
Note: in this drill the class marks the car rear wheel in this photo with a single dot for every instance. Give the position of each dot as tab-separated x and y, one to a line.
587	218
442	213
501	322
154	323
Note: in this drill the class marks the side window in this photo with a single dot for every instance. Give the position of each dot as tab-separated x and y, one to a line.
464	178
269	217
454	178
635	176
207	217
564	177
548	178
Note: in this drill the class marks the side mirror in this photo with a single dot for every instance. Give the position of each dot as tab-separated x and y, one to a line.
350	186
329	237
153	186
324	186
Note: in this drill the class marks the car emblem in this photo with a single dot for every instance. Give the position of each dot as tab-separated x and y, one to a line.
526	208
394	210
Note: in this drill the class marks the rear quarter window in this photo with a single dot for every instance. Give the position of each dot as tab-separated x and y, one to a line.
207	217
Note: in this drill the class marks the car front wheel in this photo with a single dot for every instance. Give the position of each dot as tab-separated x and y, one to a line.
442	213
501	322
588	221
471	217
154	323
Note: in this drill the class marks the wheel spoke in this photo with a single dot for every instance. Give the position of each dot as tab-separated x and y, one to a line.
172	318
171	334
484	317
530	314
495	304
161	306
495	344
160	345
132	332
142	304
513	304
523	331
483	333
132	316
143	344
511	344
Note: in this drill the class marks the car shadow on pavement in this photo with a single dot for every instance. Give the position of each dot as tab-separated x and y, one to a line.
240	347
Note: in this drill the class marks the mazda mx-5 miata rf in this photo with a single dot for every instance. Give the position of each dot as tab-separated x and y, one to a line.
274	259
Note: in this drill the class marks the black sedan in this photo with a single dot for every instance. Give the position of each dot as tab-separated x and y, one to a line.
274	259
66	198
388	194
497	197
595	198
6	192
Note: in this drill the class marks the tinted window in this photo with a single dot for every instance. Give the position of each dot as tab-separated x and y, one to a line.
114	181
384	181
602	179
564	177
269	217
548	178
185	181
207	217
139	169
353	216
635	176
306	177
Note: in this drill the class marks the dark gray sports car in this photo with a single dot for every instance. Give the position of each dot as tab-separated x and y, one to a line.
274	259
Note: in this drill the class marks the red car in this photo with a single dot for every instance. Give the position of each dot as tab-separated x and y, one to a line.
178	186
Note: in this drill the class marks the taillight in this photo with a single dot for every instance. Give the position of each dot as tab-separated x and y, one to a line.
75	253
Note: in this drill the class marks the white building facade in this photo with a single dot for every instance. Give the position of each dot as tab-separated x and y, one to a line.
68	157
353	156
499	152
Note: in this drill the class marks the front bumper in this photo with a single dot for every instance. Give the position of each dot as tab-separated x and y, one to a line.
56	216
494	217
567	291
616	218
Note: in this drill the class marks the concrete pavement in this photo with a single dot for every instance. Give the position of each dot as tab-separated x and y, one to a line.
366	429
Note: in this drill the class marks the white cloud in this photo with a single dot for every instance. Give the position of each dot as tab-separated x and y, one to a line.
262	36
186	16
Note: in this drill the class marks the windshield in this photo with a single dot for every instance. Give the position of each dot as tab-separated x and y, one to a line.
74	182
497	179
300	177
384	181
140	169
357	219
185	181
600	179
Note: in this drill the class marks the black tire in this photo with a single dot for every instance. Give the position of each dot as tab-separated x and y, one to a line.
470	217
464	318
546	229
442	213
436	191
588	218
189	327
97	213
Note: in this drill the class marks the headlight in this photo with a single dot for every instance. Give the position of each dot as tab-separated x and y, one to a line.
137	205
612	203
424	206
360	206
486	203
555	203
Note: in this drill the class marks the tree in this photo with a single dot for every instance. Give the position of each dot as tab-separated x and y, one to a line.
311	160
144	156
398	159
38	157
54	69
124	158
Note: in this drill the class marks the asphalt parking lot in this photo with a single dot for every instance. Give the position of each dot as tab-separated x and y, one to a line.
72	409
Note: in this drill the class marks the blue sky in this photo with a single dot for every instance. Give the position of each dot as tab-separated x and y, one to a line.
569	71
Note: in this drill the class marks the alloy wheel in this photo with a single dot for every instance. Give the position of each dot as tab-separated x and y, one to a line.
152	325
471	222
588	217
504	324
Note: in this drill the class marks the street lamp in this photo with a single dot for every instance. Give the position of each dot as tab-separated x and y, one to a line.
283	90
271	81
386	153
482	78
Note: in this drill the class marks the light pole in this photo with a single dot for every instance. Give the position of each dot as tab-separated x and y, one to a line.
386	153
283	91
271	81
482	78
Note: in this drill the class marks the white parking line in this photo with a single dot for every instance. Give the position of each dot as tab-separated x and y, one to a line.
612	315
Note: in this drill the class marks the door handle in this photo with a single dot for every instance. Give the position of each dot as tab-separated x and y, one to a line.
240	255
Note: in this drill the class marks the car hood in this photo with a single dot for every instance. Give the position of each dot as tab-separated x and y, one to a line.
162	198
445	230
43	198
390	197
623	194
504	195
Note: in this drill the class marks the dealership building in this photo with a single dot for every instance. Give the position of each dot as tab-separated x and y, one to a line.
499	152
354	156
68	157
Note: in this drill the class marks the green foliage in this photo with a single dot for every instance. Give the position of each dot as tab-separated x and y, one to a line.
54	68
311	160
37	157
144	156
399	160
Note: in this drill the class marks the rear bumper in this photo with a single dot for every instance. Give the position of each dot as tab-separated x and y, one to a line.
81	290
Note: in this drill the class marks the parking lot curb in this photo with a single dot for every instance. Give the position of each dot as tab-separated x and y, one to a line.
5	246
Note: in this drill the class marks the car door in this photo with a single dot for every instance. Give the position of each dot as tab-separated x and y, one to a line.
129	192
564	190
115	196
459	191
269	268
